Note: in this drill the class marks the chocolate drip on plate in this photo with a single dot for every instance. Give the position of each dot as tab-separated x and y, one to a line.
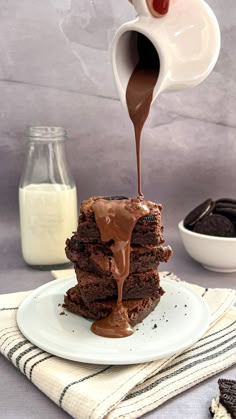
116	221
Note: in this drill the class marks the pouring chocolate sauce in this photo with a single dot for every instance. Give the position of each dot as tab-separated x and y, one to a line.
139	92
116	219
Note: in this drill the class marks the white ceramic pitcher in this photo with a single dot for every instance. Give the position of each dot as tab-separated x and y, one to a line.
187	41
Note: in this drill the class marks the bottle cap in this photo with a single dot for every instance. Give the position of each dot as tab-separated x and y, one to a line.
46	133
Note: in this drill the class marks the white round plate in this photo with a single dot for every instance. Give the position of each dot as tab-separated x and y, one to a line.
180	319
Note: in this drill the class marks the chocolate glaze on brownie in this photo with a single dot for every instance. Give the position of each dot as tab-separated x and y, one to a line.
137	309
116	221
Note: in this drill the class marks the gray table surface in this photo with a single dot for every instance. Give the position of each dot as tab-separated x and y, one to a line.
20	399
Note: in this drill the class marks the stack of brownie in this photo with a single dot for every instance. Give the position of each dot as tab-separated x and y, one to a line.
96	292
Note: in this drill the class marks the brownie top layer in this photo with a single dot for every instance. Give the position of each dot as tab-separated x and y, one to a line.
131	204
147	228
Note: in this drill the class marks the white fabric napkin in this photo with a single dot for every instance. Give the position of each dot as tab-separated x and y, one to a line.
98	391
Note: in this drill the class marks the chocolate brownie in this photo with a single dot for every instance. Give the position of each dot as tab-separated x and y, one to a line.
137	309
97	258
148	230
137	285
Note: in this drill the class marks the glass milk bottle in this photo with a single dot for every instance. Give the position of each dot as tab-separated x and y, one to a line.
47	199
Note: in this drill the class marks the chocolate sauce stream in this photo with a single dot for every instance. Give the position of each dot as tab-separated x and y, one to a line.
116	221
139	92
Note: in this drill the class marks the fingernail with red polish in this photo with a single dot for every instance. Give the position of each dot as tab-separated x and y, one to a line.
161	6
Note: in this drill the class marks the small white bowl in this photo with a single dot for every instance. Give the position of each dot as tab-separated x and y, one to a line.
216	254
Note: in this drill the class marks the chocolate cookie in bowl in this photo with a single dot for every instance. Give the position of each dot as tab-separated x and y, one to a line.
215	225
208	233
226	207
213	218
198	213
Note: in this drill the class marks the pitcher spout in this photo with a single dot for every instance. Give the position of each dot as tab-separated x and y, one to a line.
187	42
126	56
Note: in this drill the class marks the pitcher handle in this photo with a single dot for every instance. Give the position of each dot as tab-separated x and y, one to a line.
141	7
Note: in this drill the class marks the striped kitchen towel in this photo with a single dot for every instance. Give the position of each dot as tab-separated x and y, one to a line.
98	391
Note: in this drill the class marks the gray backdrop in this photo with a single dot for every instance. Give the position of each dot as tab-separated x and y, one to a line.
55	69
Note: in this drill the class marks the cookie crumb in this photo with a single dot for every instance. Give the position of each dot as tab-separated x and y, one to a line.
206	290
62	313
155	326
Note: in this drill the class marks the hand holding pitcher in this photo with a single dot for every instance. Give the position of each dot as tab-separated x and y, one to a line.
158	8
